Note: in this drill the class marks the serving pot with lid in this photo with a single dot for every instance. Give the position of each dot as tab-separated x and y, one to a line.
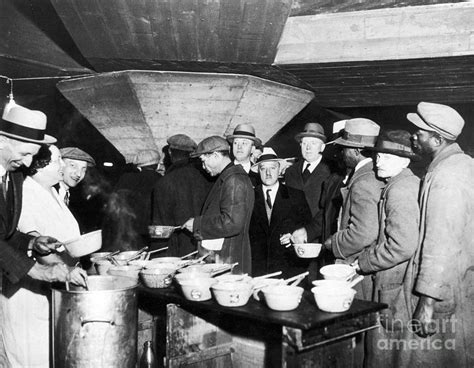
95	327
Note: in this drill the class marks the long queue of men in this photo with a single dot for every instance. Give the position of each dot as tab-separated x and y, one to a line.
412	239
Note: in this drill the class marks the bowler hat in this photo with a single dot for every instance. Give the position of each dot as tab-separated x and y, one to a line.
359	133
181	142
395	142
211	144
244	131
268	154
314	130
74	153
26	125
438	118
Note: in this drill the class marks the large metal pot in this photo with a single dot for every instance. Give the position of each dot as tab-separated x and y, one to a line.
96	327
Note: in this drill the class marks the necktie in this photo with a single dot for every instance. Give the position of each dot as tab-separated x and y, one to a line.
66	198
269	200
4	186
306	173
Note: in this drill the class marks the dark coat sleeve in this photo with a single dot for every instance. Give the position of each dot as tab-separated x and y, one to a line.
233	209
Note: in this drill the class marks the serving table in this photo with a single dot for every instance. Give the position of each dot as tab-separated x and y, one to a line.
205	334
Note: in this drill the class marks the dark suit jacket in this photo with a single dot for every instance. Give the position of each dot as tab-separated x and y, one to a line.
290	212
226	214
14	262
312	190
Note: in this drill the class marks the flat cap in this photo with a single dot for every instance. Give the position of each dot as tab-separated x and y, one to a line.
75	153
211	144
181	142
438	118
146	157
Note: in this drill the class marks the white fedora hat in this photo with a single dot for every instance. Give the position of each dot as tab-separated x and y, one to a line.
268	154
25	125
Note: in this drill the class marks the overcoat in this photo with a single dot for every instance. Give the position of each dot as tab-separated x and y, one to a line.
443	266
290	212
177	197
397	242
359	227
14	262
312	188
226	213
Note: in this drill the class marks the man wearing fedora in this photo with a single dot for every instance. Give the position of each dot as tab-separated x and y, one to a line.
278	210
358	220
227	210
308	175
243	142
443	266
22	131
180	194
387	258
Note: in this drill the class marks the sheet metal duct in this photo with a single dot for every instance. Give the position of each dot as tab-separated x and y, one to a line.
140	109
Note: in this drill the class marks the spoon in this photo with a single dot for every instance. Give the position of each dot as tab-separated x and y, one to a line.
356	280
154	251
136	255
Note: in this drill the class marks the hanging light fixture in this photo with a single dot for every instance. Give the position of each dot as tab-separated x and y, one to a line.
11	103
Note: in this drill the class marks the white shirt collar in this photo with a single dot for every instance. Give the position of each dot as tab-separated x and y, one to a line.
364	162
2	171
312	165
246	165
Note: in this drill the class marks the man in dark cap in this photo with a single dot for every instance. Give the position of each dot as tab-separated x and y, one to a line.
228	208
443	266
76	163
180	194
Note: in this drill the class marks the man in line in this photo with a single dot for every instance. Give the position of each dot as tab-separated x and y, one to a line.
308	175
180	194
278	210
244	142
358	221
387	259
443	272
228	207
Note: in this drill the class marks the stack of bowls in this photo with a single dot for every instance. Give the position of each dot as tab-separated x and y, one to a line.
283	297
